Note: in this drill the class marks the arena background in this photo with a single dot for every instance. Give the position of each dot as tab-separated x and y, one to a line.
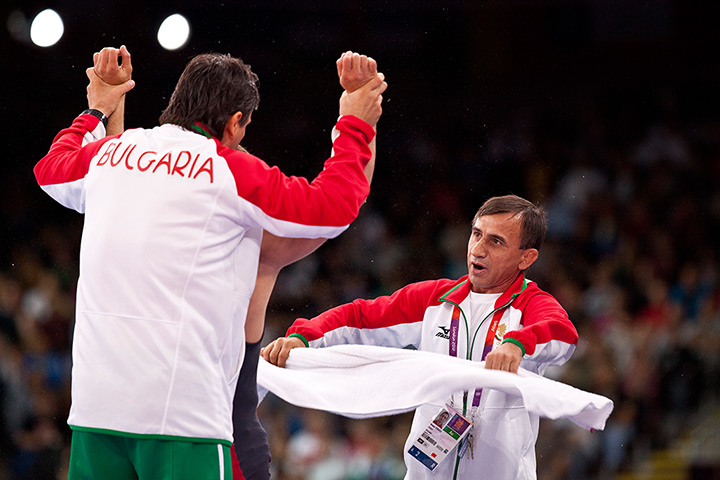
603	111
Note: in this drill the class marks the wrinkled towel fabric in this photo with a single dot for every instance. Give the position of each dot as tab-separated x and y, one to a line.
360	381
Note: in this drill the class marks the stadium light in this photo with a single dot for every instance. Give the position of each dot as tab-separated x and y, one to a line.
173	32
46	28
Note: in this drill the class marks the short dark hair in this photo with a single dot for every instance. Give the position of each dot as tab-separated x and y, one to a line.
213	87
532	218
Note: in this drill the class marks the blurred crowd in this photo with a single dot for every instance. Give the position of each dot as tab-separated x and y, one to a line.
633	211
633	224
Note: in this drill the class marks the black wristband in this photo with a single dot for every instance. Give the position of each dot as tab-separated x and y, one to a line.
96	113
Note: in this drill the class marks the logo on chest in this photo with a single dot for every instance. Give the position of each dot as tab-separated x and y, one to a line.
500	334
444	332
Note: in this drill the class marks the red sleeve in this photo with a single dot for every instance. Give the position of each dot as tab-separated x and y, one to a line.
547	331
333	198
67	160
373	319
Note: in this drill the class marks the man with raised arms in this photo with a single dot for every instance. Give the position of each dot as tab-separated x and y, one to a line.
169	261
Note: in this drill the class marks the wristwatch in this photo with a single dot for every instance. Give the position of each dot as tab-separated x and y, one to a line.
96	113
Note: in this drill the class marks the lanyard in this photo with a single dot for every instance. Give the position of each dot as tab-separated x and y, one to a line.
489	339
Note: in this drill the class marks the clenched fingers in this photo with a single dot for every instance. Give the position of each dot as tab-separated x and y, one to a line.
506	357
278	351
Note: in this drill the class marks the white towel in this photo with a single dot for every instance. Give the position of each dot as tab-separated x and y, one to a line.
366	381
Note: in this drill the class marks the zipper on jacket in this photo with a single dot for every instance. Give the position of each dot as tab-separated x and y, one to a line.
468	352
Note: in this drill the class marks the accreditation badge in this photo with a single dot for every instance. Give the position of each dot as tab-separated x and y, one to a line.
440	437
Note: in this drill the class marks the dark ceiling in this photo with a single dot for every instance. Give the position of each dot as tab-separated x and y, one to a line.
454	68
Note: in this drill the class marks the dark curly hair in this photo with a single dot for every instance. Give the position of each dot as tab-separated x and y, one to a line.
213	87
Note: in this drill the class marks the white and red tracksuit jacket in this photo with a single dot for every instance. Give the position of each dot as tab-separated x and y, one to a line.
419	315
168	260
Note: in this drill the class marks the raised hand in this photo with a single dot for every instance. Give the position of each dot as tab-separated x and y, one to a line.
108	67
355	70
365	102
103	96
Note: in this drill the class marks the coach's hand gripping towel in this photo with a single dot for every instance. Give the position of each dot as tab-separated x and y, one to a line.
367	381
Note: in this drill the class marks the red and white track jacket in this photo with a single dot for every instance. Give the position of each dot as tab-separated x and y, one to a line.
168	260
419	315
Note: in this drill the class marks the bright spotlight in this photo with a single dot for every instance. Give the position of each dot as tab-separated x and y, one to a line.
173	32
46	29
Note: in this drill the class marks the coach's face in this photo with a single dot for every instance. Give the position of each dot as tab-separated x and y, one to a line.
494	257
